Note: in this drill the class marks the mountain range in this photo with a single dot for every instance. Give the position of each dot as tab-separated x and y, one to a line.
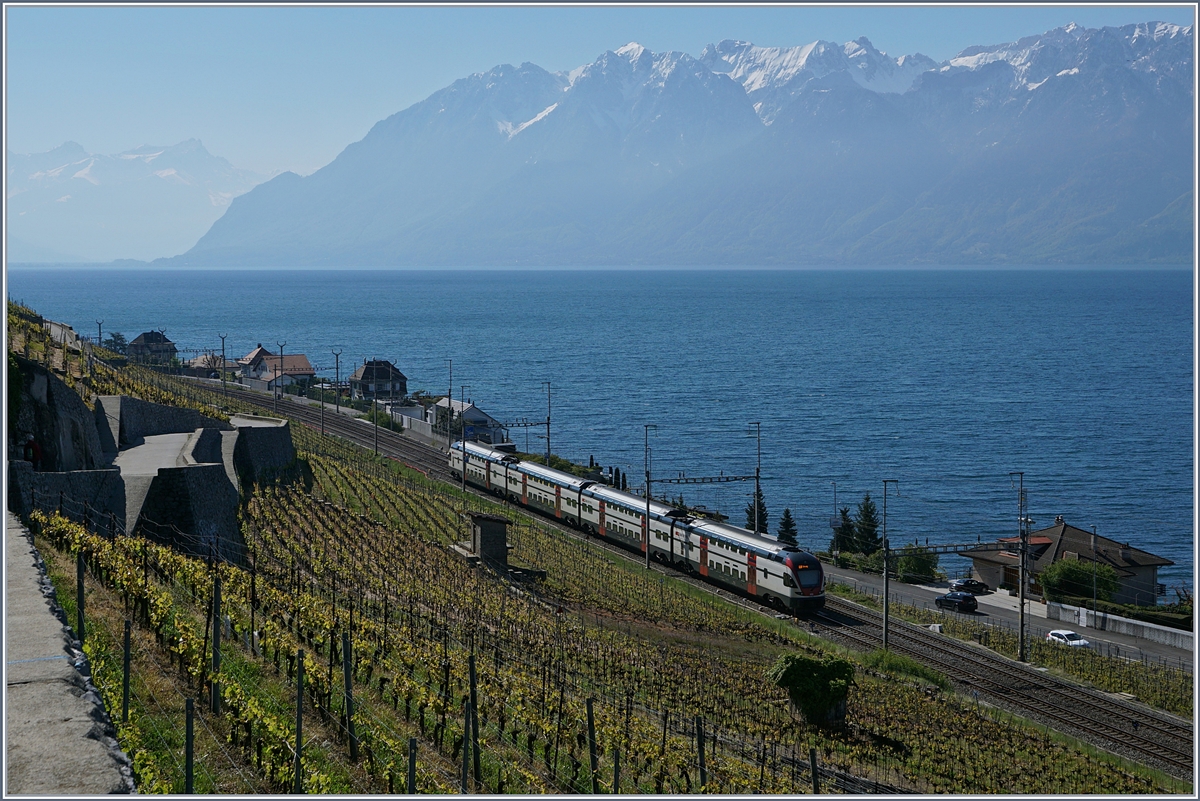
68	205
1070	147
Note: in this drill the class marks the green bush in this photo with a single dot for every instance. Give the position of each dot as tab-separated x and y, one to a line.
817	687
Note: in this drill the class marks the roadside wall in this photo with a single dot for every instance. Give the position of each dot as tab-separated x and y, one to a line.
1102	621
103	491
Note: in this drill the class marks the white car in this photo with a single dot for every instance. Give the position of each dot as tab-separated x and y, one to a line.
1067	637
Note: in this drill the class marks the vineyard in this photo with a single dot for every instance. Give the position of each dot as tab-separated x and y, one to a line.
419	618
599	677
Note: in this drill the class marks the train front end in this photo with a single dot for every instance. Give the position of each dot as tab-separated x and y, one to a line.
809	576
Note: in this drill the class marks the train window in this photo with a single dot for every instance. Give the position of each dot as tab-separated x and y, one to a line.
743	576
787	580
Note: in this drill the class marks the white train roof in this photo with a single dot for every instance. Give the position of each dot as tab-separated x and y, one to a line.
743	538
635	502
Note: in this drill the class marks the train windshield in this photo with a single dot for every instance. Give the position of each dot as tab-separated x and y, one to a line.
809	577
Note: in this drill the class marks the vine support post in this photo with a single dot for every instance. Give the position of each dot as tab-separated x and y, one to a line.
700	751
591	721
189	741
298	786
412	766
466	746
79	593
812	766
475	719
616	755
125	678
215	703
348	675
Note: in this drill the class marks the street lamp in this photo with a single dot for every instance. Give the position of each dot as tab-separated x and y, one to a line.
462	391
279	378
337	380
886	557
1023	531
647	427
757	470
224	391
547	385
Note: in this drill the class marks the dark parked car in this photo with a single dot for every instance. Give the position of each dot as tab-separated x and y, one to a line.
958	601
968	585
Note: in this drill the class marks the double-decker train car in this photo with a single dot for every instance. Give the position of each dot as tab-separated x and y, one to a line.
780	575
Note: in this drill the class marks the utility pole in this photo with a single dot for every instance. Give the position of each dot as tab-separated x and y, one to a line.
547	385
279	378
449	406
1023	532
1093	575
374	397
100	333
337	380
647	427
886	558
224	391
757	472
462	390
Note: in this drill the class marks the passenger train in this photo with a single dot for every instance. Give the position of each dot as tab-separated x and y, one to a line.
780	575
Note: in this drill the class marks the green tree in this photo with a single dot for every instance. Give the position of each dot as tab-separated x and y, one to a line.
866	526
1073	577
843	536
918	565
761	505
817	687
786	533
116	343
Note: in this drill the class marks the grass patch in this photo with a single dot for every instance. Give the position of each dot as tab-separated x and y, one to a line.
899	665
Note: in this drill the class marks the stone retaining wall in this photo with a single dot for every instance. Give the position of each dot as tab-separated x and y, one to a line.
262	451
135	419
102	490
199	501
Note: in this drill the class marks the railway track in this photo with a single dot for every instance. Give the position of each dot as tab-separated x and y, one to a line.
1150	737
1158	739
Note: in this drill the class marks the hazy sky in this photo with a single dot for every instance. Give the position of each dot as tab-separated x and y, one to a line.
279	88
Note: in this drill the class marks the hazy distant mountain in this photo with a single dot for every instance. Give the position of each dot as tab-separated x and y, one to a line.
1071	146
71	205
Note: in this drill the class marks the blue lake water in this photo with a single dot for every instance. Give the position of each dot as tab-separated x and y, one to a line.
945	380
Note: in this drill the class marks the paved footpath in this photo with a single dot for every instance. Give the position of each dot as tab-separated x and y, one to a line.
58	739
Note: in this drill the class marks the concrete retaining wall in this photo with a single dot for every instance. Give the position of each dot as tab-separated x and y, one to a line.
103	491
203	447
1102	621
199	501
137	419
263	449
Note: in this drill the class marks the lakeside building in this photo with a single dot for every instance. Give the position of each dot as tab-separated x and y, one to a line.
378	379
260	369
478	425
151	346
1137	570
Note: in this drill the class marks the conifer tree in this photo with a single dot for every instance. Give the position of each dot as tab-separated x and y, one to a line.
843	536
866	527
787	528
762	513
